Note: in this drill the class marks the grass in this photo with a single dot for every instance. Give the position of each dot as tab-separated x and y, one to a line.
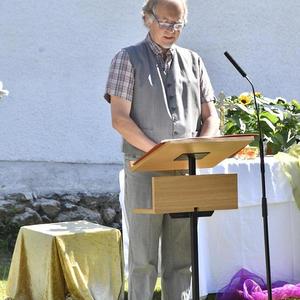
156	294
5	259
4	269
4	274
2	289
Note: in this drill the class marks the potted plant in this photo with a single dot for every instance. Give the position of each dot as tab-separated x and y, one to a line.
280	119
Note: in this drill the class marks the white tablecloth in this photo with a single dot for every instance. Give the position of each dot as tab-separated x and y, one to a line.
233	239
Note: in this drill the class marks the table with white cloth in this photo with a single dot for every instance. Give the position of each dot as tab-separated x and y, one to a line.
68	260
233	239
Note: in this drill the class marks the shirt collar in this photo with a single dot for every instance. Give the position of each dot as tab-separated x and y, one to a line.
157	49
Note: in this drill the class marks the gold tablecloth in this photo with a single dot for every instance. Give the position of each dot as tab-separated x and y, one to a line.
69	260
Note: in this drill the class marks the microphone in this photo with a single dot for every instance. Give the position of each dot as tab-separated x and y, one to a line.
240	70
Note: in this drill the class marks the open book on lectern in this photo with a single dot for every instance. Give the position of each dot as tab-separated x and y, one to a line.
209	151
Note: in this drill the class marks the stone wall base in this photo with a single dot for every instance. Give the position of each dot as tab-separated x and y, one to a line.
21	209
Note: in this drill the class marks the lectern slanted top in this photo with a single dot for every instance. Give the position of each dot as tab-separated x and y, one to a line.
209	151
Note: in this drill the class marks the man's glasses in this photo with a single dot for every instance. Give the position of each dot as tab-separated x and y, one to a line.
168	26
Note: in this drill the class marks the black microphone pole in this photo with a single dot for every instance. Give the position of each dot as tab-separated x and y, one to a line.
263	180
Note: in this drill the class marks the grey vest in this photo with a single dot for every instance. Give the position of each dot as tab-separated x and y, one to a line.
164	106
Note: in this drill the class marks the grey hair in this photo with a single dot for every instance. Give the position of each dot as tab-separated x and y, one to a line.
150	6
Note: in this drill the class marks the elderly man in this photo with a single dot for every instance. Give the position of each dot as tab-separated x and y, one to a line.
158	91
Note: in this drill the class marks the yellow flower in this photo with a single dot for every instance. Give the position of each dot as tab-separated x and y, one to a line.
258	94
245	98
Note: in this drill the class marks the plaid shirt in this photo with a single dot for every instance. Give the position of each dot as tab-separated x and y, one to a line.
120	81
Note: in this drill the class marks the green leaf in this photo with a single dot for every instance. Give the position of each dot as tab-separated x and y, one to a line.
276	111
269	124
296	105
279	139
270	116
245	109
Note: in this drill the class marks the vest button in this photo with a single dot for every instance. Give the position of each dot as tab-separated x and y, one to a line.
174	117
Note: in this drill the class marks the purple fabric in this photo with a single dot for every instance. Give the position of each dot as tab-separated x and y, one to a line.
245	285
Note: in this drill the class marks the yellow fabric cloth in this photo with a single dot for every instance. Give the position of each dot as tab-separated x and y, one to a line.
290	163
69	260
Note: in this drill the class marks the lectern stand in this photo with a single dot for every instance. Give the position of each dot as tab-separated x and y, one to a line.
192	196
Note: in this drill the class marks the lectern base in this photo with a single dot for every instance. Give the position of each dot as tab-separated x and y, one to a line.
194	244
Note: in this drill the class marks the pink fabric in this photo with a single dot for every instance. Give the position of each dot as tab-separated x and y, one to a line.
245	285
252	291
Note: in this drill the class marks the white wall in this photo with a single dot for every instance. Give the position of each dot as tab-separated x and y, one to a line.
262	35
54	59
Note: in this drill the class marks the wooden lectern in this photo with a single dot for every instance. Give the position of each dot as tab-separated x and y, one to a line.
192	196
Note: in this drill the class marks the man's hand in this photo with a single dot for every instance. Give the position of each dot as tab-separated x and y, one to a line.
121	121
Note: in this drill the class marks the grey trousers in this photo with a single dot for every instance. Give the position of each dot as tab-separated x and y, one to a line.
144	232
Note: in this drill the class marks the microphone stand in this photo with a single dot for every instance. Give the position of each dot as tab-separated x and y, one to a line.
263	181
264	203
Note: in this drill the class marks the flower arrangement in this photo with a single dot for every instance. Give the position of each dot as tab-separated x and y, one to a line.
280	119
